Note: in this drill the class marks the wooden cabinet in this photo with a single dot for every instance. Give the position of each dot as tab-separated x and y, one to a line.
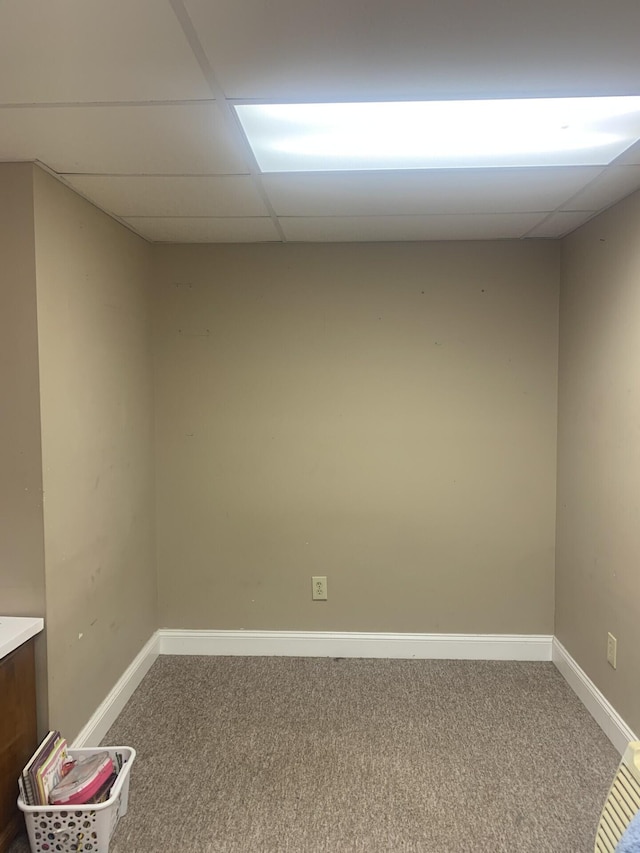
18	733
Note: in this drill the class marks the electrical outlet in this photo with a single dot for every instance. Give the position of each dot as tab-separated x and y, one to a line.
612	650
319	588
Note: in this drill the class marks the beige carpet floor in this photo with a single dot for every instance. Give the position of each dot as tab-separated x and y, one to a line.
289	755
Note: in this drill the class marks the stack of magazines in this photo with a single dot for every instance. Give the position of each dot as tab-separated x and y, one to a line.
44	770
53	777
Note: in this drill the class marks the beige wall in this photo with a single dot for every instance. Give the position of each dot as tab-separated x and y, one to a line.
21	537
97	448
21	544
597	584
381	414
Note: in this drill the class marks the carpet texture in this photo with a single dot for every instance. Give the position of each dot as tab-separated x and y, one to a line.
289	755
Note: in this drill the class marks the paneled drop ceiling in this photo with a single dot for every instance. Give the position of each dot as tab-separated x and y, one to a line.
129	102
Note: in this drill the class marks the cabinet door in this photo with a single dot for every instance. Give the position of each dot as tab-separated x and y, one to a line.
17	733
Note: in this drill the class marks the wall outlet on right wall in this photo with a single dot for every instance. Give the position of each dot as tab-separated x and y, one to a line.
612	650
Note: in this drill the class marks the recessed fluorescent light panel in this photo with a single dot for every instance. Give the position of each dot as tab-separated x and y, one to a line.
440	134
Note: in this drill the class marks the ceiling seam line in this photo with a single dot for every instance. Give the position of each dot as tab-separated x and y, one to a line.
539	224
118	217
586	186
543	213
188	216
228	115
563	208
156	174
53	105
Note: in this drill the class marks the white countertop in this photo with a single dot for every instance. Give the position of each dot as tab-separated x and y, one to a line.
16	630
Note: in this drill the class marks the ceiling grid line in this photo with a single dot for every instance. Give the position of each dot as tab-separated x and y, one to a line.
55	105
217	175
64	181
219	95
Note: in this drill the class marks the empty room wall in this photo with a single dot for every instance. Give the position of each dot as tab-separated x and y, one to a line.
21	536
97	448
22	555
382	414
597	585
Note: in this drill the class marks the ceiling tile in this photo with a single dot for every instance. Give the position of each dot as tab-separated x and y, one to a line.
181	159
90	50
175	139
613	184
375	228
408	49
630	157
442	191
204	229
561	223
179	196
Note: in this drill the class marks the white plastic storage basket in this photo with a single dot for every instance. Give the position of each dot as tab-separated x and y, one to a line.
80	829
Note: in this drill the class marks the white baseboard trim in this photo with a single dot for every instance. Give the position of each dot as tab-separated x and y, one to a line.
600	708
107	712
524	647
521	647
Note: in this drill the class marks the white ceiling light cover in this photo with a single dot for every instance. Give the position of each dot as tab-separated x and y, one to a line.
440	134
